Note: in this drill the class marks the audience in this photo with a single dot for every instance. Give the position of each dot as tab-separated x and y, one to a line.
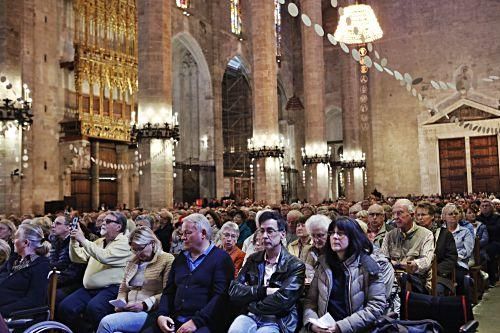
491	219
444	244
145	277
464	242
348	282
195	297
23	279
269	284
229	234
71	274
106	259
300	246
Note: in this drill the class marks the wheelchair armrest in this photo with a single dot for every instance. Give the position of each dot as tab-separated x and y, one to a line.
29	312
469	327
17	323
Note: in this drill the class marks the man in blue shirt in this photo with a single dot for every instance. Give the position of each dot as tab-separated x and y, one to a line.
196	291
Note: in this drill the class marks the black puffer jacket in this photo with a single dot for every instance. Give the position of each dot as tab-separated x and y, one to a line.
71	273
248	290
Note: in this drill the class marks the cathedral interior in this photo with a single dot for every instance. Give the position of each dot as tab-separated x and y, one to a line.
152	103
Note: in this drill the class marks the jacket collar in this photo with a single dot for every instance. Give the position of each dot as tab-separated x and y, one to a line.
282	261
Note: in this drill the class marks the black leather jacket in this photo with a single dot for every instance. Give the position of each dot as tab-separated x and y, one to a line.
248	290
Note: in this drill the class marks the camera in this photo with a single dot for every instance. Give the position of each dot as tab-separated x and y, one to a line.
74	223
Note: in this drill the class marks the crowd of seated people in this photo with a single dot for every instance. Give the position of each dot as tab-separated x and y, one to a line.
246	267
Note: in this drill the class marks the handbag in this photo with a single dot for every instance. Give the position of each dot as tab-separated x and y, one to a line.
389	325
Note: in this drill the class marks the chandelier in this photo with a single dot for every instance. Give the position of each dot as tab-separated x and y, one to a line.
357	25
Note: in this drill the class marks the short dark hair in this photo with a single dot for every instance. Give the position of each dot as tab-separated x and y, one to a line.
273	215
358	241
431	209
120	218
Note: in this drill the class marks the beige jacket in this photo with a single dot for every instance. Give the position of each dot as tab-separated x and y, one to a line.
155	279
105	265
294	249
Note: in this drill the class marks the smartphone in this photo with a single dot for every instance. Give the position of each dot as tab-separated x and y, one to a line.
74	223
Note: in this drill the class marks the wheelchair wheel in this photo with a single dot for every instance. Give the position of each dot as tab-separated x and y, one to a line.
46	326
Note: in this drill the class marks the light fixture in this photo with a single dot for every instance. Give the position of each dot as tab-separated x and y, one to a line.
316	158
357	25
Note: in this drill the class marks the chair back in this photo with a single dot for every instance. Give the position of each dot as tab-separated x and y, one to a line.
434	274
52	290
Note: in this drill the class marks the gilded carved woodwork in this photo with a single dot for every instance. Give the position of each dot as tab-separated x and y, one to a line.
106	58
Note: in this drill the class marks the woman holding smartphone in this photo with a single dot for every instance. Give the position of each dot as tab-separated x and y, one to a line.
145	277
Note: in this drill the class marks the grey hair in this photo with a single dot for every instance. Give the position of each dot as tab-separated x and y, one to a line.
448	208
230	226
318	220
143	236
200	222
259	213
405	203
34	234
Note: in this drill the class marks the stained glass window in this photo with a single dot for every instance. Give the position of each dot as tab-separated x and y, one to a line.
184	4
235	17
277	22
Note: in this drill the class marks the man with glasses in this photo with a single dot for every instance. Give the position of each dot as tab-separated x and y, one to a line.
269	284
70	276
229	234
106	259
410	249
376	224
491	219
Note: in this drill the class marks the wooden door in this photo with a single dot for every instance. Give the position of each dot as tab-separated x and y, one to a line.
452	165
80	190
484	164
108	187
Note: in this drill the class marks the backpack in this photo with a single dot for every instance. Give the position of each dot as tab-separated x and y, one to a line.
388	325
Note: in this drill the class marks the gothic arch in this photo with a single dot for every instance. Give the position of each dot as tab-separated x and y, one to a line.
193	101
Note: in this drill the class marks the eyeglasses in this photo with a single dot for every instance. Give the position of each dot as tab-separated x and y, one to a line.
318	235
453	214
269	231
139	249
228	235
398	213
340	234
107	221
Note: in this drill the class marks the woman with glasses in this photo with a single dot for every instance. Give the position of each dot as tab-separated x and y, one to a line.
464	241
145	277
317	227
229	234
348	282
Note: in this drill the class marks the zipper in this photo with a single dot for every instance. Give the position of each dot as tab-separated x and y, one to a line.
348	289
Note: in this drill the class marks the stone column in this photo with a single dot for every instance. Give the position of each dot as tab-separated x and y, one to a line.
314	103
123	181
94	172
155	99
265	99
352	136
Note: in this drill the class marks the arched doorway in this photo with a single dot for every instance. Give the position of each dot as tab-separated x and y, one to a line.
237	127
192	101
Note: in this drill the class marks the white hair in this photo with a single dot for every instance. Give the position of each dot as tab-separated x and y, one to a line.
231	226
405	203
200	222
318	220
259	213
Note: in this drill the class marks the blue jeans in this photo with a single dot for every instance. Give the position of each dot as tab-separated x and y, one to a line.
129	322
246	324
92	303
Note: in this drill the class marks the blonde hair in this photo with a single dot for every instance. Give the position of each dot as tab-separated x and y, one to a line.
34	234
4	251
43	222
12	227
143	236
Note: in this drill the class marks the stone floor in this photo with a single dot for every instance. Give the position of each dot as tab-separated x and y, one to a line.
487	312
